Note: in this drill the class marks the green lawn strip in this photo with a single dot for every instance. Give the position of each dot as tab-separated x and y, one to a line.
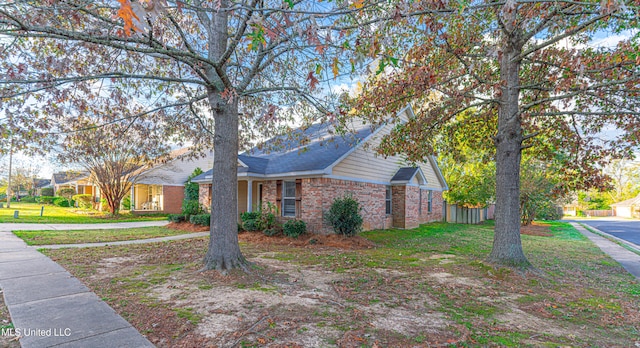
94	236
30	213
437	268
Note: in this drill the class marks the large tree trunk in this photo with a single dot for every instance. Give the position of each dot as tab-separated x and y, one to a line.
224	250
507	245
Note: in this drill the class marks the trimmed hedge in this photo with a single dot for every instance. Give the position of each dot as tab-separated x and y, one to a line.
201	219
46	199
46	191
294	228
62	202
84	200
28	199
177	218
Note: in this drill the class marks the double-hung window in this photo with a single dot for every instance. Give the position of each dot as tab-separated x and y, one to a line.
429	201
289	198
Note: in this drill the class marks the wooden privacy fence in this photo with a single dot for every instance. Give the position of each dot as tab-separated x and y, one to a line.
608	212
463	215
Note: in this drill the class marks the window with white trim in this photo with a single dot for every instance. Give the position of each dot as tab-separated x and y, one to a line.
387	201
429	200
289	198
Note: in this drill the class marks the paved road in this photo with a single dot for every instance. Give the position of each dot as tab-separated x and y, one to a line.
628	230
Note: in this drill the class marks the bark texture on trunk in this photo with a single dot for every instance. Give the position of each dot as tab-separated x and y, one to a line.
507	245
224	251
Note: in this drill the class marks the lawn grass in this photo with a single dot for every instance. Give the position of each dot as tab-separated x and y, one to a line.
393	295
93	236
30	213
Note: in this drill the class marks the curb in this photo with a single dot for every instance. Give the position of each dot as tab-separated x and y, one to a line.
626	244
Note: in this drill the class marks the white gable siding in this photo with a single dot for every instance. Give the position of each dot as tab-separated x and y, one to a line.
431	176
176	172
365	164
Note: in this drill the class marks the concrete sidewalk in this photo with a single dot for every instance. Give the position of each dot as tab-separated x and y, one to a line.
628	259
101	226
49	307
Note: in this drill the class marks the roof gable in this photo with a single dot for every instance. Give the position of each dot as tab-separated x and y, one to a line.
405	175
311	149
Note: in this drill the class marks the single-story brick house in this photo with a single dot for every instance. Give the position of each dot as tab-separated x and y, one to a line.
303	173
159	188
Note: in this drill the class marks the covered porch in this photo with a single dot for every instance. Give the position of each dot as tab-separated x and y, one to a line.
147	197
250	196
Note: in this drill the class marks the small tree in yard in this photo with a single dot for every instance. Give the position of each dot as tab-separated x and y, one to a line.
68	194
344	216
113	153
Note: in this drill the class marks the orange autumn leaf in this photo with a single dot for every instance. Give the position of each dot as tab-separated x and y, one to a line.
357	4
126	13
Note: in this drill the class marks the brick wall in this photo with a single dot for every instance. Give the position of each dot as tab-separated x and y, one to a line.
411	207
319	193
204	196
173	197
436	207
398	206
408	210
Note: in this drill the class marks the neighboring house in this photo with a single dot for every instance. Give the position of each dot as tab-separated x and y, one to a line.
77	180
39	184
304	173
160	187
571	209
629	208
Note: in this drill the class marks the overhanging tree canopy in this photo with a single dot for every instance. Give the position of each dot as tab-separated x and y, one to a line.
193	64
529	63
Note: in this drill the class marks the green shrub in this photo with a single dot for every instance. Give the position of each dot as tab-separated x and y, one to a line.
344	216
46	199
201	219
177	218
251	220
62	202
126	202
46	191
294	228
259	220
191	207
28	199
251	225
192	189
84	201
270	232
67	193
104	205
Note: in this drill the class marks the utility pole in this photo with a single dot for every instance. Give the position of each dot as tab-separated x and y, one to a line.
9	180
10	124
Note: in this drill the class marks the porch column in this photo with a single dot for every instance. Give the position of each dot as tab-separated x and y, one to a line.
133	198
249	194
